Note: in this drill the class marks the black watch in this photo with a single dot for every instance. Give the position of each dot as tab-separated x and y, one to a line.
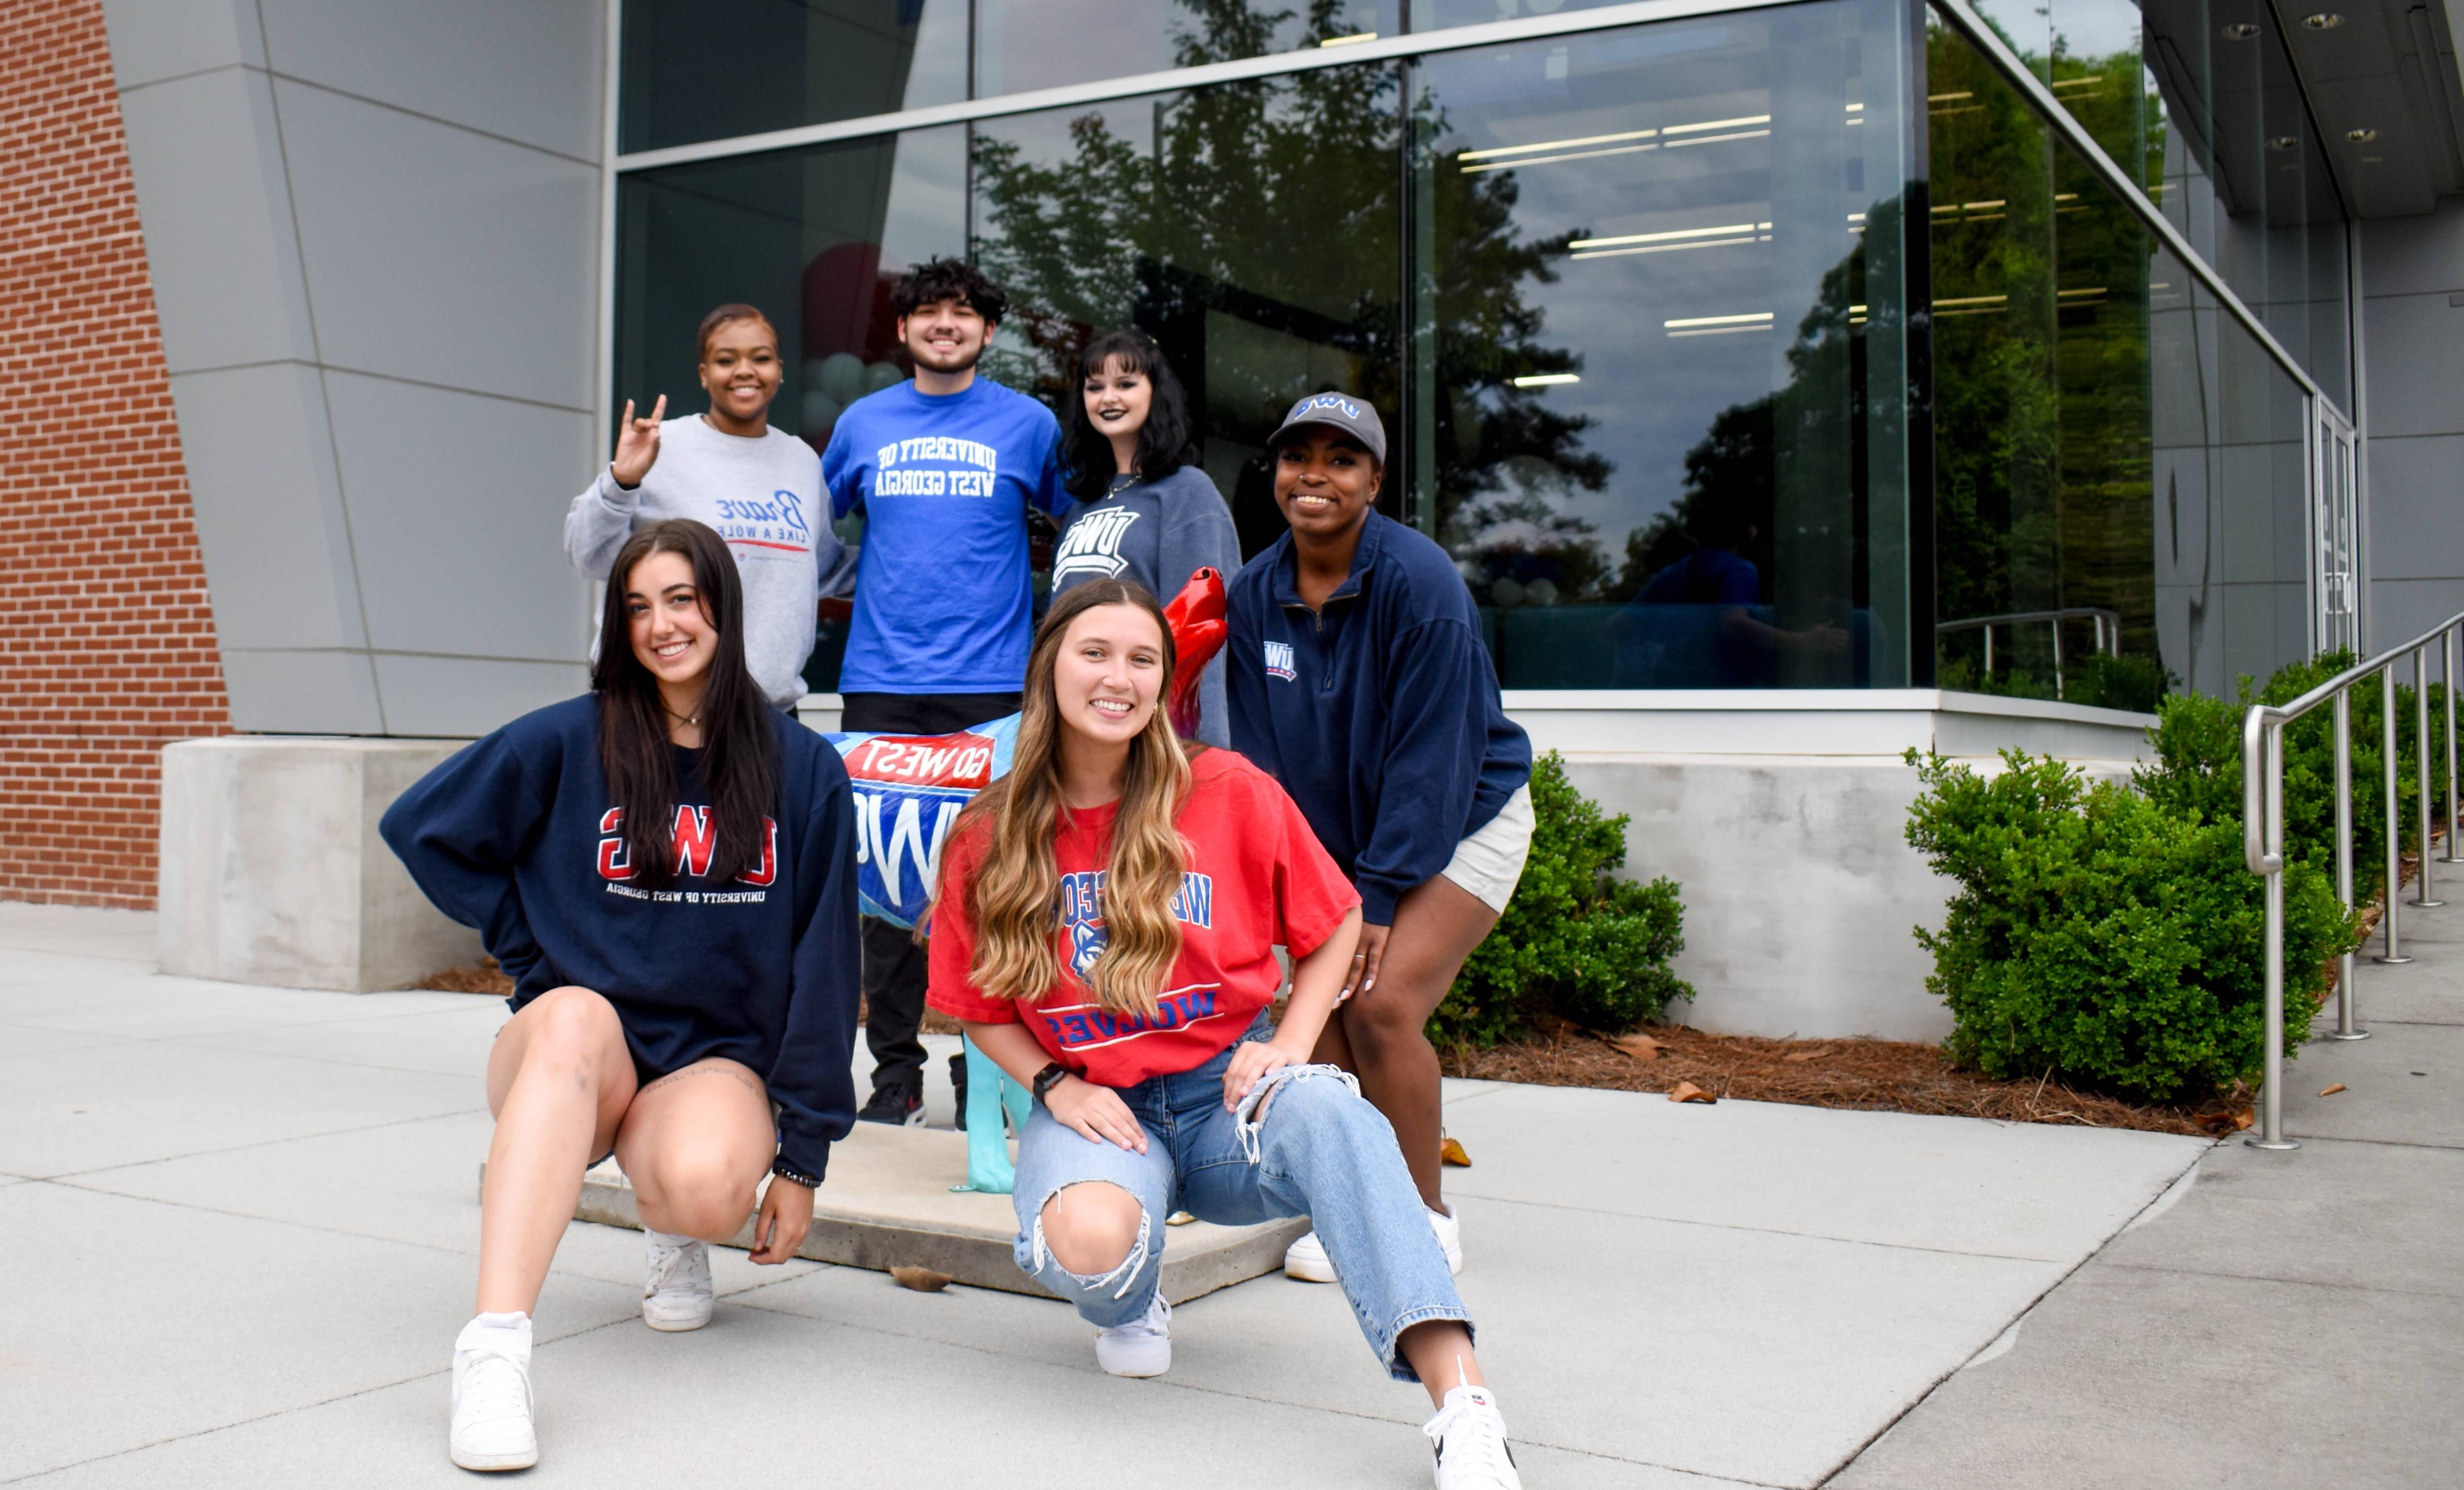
1048	1078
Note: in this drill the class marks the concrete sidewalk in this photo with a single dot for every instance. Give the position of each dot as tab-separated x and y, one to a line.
2278	1318
243	1225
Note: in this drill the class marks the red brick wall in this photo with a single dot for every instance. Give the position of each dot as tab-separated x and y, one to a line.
109	643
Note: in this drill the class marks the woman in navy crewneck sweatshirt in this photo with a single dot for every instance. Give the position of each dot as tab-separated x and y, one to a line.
1358	681
666	869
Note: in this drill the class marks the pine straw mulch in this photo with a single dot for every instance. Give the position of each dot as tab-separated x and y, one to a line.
485	978
1875	1076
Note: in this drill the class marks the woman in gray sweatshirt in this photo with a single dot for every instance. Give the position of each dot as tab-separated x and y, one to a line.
760	488
1146	511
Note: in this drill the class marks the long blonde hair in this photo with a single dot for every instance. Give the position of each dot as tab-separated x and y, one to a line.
1015	893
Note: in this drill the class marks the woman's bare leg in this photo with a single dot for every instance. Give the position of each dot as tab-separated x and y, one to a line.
695	1144
1440	1354
558	1080
1380	1037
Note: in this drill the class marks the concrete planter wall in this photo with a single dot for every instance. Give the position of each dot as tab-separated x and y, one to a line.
1783	817
273	871
1781	813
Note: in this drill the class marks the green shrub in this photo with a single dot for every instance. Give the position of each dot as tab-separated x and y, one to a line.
1575	941
2198	766
2106	937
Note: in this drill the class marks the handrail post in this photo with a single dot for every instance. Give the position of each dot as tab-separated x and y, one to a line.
2395	952
1987	629
2421	767
2271	1087
2057	658
2345	1028
2447	658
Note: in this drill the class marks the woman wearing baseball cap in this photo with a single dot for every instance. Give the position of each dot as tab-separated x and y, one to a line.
1358	681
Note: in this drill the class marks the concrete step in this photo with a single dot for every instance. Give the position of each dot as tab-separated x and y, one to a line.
886	1203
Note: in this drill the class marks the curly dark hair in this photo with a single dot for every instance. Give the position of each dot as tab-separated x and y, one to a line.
937	279
1165	444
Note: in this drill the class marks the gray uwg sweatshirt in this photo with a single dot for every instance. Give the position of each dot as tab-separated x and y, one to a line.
764	497
1158	533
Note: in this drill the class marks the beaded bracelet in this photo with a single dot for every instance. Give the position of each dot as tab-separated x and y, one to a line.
787	1171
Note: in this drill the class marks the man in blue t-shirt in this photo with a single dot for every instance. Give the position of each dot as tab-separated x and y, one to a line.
944	469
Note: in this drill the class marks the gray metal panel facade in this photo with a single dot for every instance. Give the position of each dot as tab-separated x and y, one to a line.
373	231
2413	284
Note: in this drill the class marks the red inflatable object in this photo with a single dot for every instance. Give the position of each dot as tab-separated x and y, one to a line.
1196	616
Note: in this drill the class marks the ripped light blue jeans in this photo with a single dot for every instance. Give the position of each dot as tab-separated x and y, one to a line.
1319	1150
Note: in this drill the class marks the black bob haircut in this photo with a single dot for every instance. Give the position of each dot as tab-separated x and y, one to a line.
938	279
1164	444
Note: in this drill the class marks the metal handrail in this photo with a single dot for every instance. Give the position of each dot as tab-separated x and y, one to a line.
2108	631
2262	830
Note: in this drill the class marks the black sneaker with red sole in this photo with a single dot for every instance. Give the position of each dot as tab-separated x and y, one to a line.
898	1104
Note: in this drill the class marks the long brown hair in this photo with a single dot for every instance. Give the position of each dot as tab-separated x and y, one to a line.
739	755
1016	889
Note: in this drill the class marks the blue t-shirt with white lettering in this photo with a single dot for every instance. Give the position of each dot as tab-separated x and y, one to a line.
944	481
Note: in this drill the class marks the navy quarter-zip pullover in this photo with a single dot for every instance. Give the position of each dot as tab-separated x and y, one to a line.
1379	713
516	836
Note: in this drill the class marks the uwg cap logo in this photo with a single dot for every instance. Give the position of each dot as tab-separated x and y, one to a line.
1279	661
694	842
1318	401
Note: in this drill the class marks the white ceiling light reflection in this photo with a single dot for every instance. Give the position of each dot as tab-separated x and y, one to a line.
1671	241
1546	379
1718	325
1584	147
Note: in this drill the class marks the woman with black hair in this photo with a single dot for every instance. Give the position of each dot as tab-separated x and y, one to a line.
1146	511
666	869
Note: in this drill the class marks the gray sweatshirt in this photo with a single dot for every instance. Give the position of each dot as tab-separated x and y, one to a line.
764	497
1158	533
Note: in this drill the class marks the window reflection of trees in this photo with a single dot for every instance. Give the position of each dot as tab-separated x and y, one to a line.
2044	406
1254	229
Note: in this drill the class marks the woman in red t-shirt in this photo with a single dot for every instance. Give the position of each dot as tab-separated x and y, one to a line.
1106	926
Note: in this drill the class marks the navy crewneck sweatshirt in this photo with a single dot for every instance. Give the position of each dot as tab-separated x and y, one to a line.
516	836
1379	713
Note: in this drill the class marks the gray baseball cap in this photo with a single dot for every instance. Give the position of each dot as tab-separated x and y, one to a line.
1356	417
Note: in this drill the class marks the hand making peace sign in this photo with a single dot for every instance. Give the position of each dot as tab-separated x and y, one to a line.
637	444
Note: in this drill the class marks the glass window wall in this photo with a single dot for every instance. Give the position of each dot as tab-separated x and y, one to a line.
690	71
1022	45
2198	99
1661	423
1707	368
2109	444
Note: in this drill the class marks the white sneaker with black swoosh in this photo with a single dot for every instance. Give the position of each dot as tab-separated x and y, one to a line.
1469	1437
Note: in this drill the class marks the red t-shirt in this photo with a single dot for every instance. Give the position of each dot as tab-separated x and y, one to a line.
1256	877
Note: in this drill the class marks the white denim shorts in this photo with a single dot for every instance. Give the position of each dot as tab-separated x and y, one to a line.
1489	863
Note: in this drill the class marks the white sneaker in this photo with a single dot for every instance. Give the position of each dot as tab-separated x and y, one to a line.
677	1296
1470	1442
1142	1347
491	1395
1450	1237
1305	1259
